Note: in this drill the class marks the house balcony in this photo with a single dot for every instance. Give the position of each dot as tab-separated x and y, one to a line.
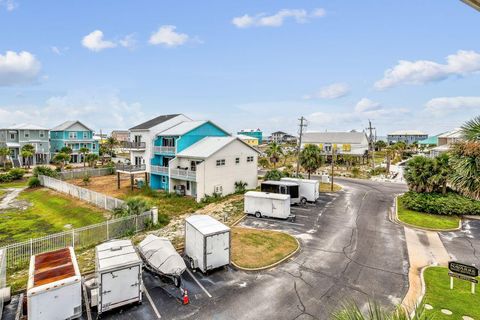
159	169
164	150
134	145
130	168
182	174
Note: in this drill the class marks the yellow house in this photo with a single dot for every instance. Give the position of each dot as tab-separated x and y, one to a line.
252	141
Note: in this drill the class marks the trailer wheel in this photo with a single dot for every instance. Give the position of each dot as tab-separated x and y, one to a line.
303	201
192	265
177	281
258	214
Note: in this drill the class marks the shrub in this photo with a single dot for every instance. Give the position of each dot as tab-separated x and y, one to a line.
274	175
240	186
44	171
210	199
6	177
33	182
86	179
16	173
436	203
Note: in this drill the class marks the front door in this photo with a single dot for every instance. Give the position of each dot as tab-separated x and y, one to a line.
193	185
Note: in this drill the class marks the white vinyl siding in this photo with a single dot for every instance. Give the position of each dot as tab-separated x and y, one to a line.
220	162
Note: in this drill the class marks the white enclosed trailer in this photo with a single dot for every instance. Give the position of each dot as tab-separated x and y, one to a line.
54	290
207	242
309	190
118	271
282	187
264	204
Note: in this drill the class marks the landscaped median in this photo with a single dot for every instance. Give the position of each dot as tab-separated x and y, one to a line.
327	187
255	249
459	301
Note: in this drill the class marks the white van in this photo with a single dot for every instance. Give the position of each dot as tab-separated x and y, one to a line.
309	190
264	204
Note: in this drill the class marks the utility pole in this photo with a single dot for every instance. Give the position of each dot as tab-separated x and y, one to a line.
303	124
371	142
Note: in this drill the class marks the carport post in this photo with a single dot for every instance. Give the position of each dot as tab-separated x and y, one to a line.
118	180
131	181
146	178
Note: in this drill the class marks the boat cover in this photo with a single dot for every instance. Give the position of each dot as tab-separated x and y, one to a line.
160	254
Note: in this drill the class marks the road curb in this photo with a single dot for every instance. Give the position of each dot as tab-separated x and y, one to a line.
238	220
273	264
411	226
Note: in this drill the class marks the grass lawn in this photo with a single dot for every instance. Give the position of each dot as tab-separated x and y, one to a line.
14	184
459	300
326	187
254	248
49	213
426	220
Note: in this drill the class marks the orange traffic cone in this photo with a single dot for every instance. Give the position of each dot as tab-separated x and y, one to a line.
186	300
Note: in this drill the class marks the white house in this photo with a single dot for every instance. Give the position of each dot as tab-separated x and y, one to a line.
143	135
351	143
212	166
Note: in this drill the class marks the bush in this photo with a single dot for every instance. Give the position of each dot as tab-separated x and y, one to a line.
436	203
274	175
240	186
16	173
6	177
44	171
86	179
33	182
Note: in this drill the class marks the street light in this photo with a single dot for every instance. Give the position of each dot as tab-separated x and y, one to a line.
473	3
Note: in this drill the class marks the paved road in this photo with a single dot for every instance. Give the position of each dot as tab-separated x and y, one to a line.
464	245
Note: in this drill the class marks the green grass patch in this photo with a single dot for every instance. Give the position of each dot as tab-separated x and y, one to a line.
425	220
49	213
254	248
459	300
14	184
326	187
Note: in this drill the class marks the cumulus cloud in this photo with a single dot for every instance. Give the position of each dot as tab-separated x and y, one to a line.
9	5
444	105
100	110
18	68
168	37
277	19
462	63
94	41
333	91
367	105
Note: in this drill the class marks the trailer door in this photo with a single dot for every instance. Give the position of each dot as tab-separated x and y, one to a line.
218	250
119	287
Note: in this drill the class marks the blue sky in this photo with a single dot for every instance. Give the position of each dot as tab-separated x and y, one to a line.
243	64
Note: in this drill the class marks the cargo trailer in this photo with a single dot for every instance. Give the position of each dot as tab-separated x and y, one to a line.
309	190
282	187
118	271
207	243
264	204
162	259
54	289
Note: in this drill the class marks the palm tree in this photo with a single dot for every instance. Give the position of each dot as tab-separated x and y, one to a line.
311	158
27	153
111	143
442	171
380	144
274	151
471	129
61	158
91	158
419	173
66	150
83	151
4	153
389	152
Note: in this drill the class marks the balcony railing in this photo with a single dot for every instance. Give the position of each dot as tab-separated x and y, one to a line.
164	150
134	145
183	174
130	167
159	169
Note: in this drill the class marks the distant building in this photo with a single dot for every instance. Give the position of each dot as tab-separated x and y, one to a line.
75	135
121	136
258	134
252	141
16	136
352	143
407	136
282	137
445	141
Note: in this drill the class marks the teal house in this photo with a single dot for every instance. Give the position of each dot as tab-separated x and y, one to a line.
174	140
252	133
75	135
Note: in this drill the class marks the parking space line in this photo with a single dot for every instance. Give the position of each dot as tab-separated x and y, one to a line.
199	284
154	307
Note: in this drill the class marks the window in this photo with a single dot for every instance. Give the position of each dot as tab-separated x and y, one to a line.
26	133
237	160
94	146
218	189
85	135
188	185
41	134
250	159
220	162
164	179
72	135
12	136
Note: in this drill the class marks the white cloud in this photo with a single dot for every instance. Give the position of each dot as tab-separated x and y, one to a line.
167	36
277	19
128	41
9	5
333	91
94	41
99	110
18	68
366	105
461	63
444	105
59	51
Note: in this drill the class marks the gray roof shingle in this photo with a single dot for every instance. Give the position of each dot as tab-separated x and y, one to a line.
153	122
